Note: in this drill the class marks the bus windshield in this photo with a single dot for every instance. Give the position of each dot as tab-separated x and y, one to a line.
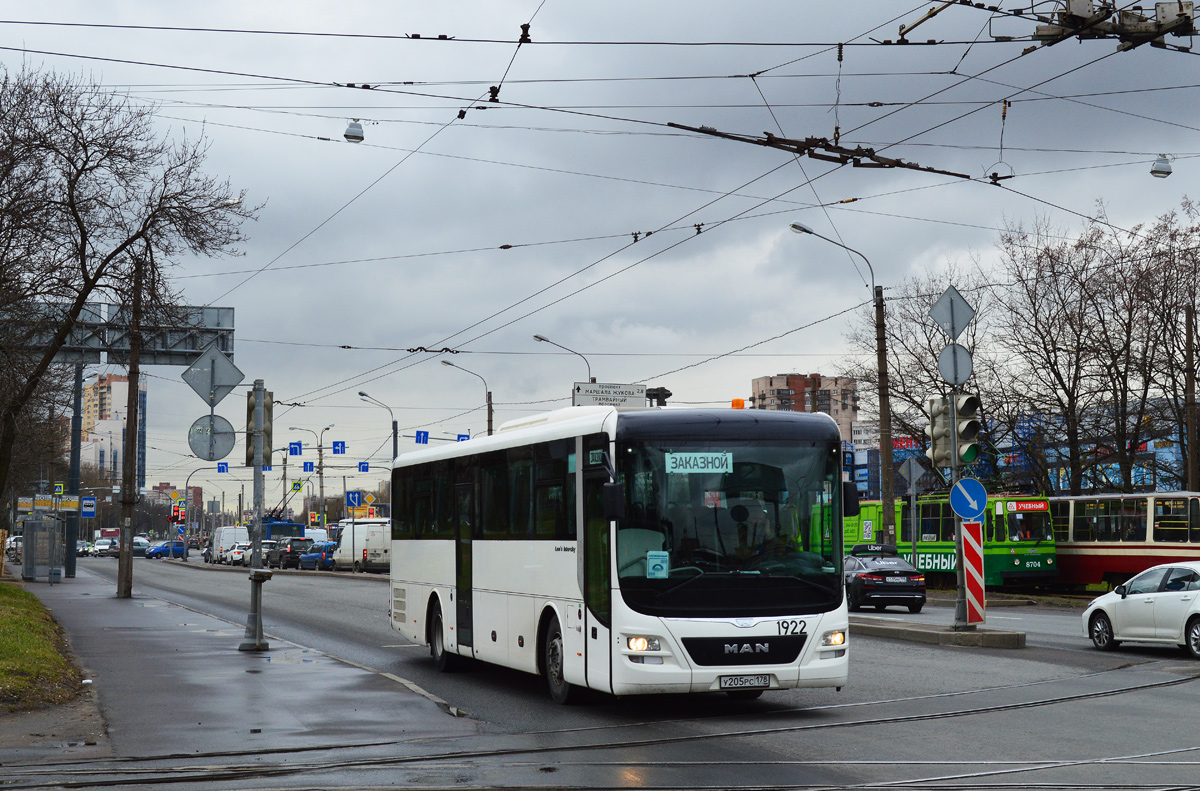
729	527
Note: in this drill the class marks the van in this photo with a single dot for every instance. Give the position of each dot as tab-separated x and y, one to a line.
365	545
223	540
317	534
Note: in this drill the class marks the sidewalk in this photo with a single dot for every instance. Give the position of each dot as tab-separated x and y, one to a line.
167	680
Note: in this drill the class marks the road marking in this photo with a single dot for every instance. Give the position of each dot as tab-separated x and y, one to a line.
403	645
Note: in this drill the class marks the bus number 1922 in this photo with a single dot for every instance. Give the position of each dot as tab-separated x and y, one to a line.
791	627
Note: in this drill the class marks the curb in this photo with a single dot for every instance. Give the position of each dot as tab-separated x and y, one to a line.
936	635
349	575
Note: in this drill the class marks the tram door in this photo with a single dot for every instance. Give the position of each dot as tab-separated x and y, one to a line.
465	505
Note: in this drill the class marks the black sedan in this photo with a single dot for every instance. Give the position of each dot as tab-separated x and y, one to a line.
877	576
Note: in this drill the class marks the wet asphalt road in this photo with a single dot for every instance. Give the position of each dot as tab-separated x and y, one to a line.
911	711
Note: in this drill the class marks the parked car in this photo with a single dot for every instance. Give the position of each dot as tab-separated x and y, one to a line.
286	553
1160	605
174	548
876	575
319	557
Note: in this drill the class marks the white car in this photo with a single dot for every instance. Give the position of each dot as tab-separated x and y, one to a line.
239	555
1160	605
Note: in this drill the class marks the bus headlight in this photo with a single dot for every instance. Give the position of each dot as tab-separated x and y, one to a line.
831	639
639	643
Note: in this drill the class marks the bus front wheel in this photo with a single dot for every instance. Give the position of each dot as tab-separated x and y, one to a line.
553	659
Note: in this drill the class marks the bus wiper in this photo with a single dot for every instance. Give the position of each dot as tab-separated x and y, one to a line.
678	585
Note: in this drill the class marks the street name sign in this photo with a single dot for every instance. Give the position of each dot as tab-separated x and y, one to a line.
606	394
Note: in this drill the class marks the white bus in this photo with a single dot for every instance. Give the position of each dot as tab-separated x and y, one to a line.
630	551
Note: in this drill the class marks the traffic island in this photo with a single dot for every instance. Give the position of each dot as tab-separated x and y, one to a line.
936	634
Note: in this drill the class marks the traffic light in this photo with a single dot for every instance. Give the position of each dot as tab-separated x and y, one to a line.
938	431
268	441
174	513
966	428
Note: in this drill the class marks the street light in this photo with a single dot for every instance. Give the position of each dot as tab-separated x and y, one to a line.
544	339
1161	167
485	387
885	409
395	427
320	461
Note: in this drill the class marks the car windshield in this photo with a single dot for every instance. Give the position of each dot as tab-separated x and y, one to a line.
720	527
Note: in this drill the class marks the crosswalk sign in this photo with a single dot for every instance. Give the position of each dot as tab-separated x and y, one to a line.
297	486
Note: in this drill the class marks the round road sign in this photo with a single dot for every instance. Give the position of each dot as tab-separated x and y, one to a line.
954	364
211	437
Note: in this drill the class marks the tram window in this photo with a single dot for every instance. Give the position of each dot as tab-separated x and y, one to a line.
931	516
989	526
1133	519
906	523
1171	520
1108	520
1060	519
1194	519
947	522
1083	526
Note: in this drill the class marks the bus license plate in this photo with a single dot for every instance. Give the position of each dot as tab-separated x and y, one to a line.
746	682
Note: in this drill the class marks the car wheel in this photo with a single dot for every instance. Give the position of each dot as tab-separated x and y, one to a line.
1101	631
333	565
443	660
744	694
915	608
553	659
357	568
852	603
1191	633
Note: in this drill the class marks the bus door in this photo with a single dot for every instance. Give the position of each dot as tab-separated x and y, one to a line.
597	577
462	563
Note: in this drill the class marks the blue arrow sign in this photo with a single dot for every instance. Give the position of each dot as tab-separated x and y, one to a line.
422	437
354	499
88	507
339	447
222	466
364	466
463	437
295	448
310	466
968	498
266	468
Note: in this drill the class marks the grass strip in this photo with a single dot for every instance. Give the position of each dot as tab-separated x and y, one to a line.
34	669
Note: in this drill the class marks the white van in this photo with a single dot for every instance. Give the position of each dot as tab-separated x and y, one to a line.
317	534
224	538
365	545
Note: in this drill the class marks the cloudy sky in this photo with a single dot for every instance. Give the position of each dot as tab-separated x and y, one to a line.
570	208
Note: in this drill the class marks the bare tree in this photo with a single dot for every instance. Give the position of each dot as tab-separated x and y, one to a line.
96	194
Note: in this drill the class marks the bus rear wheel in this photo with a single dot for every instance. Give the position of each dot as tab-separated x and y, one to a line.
553	659
443	660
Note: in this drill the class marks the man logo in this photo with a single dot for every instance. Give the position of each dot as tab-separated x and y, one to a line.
747	648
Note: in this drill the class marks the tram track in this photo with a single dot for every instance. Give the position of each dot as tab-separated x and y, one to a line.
206	767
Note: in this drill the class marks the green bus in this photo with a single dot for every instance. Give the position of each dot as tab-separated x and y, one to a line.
1018	540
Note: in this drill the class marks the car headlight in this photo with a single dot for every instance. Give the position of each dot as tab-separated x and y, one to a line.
639	643
832	639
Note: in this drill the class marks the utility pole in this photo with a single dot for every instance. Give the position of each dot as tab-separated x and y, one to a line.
129	493
73	476
253	639
321	476
1189	399
887	484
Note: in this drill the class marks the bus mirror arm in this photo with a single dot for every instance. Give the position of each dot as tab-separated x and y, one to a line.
849	498
614	501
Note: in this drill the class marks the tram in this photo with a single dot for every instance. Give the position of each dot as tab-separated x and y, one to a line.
1018	542
1107	538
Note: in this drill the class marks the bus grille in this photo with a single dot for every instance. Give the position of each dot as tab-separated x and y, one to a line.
775	649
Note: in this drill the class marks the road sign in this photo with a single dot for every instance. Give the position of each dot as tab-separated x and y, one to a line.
58	489
912	471
211	437
422	437
339	448
968	498
213	376
310	466
952	313
354	499
297	486
266	468
364	466
89	508
295	448
369	498
973	570
175	495
463	437
180	529
955	365
600	394
222	466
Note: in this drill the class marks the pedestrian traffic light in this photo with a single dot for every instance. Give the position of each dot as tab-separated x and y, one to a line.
966	428
938	431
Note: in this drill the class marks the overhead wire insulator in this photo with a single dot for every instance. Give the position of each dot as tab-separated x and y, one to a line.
524	35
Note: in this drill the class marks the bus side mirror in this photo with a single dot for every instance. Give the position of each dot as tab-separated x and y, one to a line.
849	498
614	501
